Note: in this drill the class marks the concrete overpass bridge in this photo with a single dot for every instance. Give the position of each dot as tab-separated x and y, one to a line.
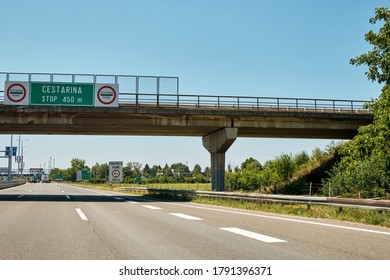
219	120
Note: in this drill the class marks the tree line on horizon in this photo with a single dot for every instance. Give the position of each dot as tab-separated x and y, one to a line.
250	175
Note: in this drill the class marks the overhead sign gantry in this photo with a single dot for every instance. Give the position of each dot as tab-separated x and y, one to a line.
82	90
61	94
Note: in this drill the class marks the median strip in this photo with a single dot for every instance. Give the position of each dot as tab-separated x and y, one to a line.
81	214
253	235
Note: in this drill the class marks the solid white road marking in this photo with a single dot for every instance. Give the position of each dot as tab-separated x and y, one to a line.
187	217
81	214
151	207
253	235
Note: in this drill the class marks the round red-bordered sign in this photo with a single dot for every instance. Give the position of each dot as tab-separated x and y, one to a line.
113	95
115	173
9	93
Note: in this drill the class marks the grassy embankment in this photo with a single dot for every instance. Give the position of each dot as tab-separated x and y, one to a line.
370	217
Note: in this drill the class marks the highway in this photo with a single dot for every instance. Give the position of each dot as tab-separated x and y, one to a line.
61	222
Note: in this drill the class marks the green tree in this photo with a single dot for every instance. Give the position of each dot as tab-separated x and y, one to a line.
167	171
364	169
99	172
76	164
146	171
285	166
197	170
252	164
301	158
54	172
180	169
378	59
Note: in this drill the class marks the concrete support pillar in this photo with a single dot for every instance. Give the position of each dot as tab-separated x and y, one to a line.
217	144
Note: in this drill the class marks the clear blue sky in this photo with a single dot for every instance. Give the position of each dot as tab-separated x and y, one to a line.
276	48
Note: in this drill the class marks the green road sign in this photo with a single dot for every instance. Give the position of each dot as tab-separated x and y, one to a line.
59	177
62	94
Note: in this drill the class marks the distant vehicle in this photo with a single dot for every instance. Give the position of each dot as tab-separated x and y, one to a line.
45	178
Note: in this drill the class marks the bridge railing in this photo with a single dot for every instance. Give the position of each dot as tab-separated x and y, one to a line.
163	91
241	102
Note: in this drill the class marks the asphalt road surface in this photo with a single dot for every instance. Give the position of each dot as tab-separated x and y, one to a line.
56	222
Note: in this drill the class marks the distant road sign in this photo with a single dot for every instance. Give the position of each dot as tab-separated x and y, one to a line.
116	171
62	94
16	93
7	151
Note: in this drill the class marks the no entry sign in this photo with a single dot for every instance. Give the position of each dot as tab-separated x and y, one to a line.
106	95
16	93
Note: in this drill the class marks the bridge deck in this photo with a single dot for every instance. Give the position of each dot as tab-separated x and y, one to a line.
183	121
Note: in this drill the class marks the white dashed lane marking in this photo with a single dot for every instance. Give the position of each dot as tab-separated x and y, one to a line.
132	201
151	207
253	235
81	214
187	217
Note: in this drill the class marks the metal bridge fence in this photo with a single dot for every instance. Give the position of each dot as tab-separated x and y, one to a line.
163	91
242	102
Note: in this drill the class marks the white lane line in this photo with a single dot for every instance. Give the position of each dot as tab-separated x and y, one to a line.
187	217
68	197
253	235
81	214
132	201
281	218
119	198
20	196
151	207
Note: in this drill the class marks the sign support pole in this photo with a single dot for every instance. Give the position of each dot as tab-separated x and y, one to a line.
10	162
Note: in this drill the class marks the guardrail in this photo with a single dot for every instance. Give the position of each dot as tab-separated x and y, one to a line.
368	204
8	184
163	91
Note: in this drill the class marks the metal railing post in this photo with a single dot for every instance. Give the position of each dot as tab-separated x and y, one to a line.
158	92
